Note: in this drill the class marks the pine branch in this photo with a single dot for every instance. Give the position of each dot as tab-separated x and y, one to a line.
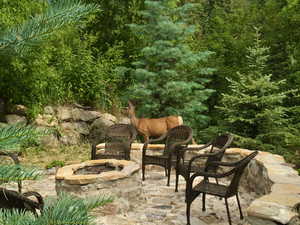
19	39
13	135
70	210
65	210
15	217
17	173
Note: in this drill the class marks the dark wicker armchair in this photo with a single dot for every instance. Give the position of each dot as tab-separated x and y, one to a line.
10	199
118	140
175	139
14	157
223	191
217	149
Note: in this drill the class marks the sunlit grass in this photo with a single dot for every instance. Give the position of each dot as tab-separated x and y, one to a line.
35	156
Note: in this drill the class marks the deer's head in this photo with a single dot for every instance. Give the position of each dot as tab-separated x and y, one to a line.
130	109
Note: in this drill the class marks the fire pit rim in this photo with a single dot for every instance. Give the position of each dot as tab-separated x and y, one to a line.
66	173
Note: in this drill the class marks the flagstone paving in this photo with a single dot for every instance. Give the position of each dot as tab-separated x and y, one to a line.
159	204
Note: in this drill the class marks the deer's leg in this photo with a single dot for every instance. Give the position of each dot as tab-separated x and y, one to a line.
146	138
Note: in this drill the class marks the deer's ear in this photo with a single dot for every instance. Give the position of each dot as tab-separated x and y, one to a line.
130	104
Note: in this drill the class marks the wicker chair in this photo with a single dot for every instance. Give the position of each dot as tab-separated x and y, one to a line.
118	140
223	191
217	149
175	139
14	157
10	199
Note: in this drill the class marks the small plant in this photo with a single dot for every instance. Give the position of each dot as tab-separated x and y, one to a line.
55	163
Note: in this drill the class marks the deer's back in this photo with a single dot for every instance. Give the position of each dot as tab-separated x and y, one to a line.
158	126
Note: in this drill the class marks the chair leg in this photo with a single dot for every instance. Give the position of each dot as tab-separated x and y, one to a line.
228	213
188	211
238	201
143	171
176	181
166	172
217	182
169	174
203	202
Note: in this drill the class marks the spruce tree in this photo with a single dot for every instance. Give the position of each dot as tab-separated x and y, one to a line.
168	77
253	110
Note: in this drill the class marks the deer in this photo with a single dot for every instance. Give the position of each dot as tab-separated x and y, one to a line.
155	127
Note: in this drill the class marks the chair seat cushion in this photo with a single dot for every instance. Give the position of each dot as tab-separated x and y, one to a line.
211	188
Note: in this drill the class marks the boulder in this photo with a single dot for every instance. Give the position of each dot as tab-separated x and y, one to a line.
49	110
46	120
49	141
98	129
83	115
13	119
17	109
124	120
80	127
64	113
70	137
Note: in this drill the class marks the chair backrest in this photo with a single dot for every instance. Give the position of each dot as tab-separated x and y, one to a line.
118	140
238	172
218	146
221	141
126	131
178	134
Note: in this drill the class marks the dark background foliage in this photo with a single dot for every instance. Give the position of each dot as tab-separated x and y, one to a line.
82	64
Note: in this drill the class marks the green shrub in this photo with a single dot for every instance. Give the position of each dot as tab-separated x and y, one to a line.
55	163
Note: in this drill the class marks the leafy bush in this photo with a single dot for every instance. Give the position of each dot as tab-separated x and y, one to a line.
55	163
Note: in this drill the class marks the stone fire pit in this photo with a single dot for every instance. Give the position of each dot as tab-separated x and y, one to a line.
119	178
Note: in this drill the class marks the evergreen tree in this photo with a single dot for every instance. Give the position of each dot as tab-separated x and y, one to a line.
254	108
169	78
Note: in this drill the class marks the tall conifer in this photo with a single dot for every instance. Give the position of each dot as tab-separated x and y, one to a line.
169	78
254	108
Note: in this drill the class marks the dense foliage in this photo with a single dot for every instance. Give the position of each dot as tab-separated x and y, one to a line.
82	63
169	78
253	110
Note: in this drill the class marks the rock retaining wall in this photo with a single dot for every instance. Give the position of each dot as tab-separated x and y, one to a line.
71	124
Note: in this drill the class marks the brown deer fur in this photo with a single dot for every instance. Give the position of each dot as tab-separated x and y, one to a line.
155	127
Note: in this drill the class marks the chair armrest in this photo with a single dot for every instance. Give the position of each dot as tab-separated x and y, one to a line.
162	137
211	175
219	163
197	148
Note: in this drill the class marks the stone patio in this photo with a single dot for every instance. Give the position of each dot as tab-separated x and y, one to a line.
270	195
159	204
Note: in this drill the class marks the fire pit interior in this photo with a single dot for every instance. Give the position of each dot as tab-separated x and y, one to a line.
97	169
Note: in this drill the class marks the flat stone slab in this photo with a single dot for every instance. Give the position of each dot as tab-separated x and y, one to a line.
139	146
278	205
